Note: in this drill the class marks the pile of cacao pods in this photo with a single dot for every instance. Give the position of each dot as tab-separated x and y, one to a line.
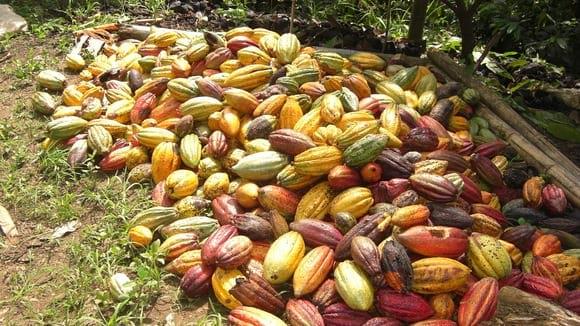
303	187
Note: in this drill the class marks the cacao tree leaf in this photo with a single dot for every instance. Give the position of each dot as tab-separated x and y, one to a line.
496	69
555	123
564	131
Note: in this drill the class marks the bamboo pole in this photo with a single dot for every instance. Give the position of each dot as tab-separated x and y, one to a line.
140	32
535	157
502	109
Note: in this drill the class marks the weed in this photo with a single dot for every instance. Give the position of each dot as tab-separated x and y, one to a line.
156	7
25	69
214	316
5	41
21	285
236	10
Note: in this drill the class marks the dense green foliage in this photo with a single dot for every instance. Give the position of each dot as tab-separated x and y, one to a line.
548	29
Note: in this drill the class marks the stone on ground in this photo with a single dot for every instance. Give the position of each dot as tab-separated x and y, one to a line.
10	21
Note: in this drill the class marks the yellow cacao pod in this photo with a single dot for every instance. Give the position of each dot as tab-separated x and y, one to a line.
283	257
315	203
317	160
164	160
354	286
355	201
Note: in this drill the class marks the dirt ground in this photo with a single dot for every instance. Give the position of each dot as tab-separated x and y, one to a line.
63	281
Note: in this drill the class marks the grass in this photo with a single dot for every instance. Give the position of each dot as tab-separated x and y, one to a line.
42	192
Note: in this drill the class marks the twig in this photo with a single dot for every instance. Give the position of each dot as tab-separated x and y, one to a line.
6	57
388	20
292	8
490	44
148	20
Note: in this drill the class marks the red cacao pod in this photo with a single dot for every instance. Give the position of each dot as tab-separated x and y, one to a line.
303	313
571	301
317	233
544	267
554	199
515	279
339	314
434	241
224	207
211	245
326	295
197	280
486	170
490	149
408	307
471	191
479	303
420	139
234	252
342	177
542	286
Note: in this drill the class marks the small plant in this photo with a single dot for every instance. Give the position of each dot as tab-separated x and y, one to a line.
236	10
156	7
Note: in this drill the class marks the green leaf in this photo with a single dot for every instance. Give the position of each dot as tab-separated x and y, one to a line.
521	84
562	43
496	69
555	123
564	131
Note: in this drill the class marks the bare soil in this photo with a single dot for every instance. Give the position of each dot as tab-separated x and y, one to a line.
31	277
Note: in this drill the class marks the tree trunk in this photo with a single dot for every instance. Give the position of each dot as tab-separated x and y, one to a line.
465	18
417	23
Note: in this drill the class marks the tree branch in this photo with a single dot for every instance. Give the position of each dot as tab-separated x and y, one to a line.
292	16
473	8
491	43
450	5
461	5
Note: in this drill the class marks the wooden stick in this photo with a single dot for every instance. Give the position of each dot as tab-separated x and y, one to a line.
139	32
516	307
503	111
492	42
535	157
292	9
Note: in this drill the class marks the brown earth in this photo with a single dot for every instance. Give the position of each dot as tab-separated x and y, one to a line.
35	270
